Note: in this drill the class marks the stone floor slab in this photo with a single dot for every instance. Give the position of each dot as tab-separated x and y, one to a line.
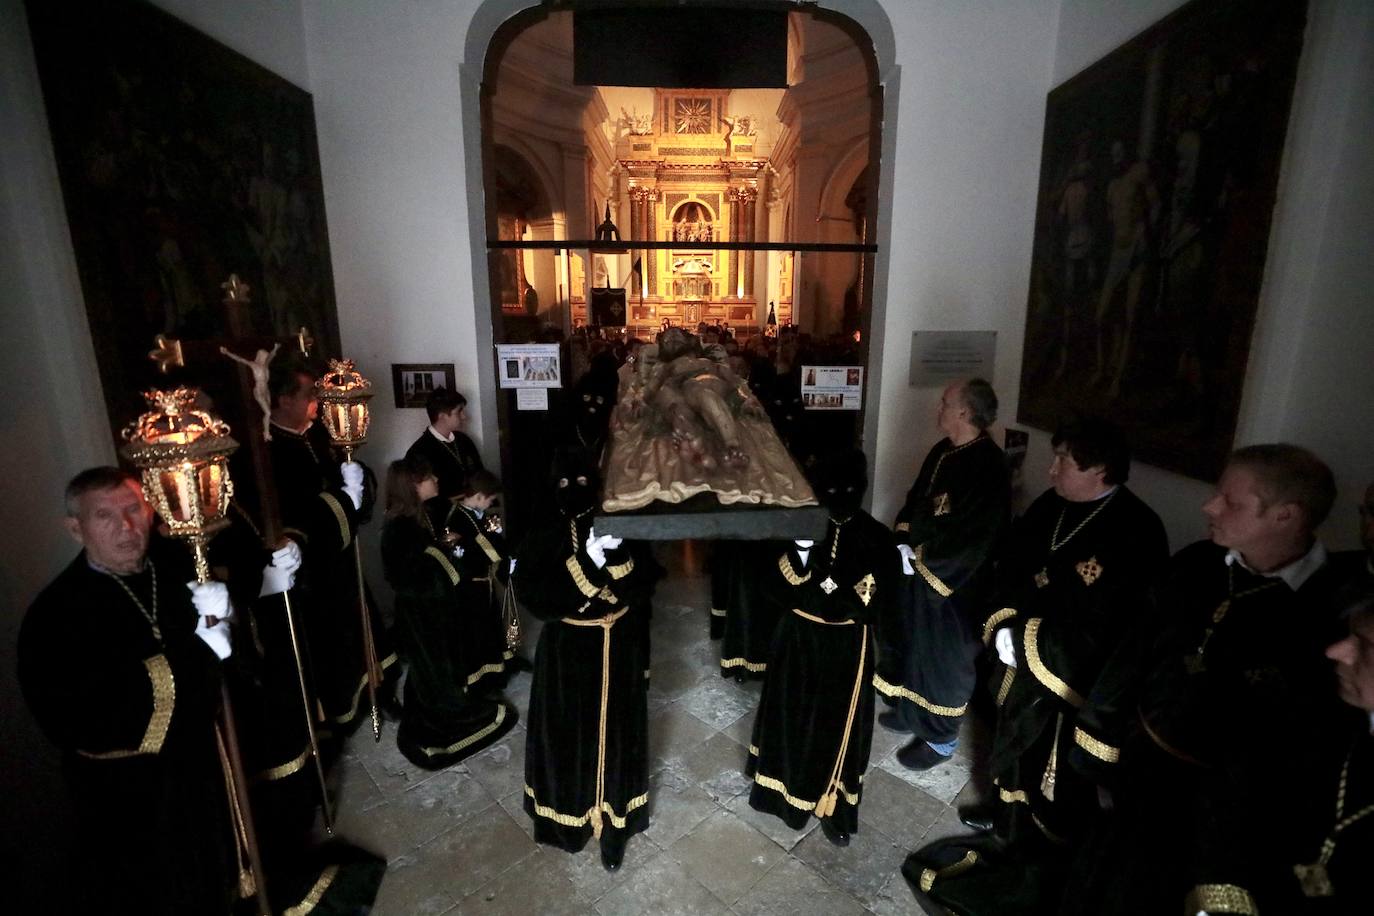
726	855
717	767
662	888
718	702
676	806
791	888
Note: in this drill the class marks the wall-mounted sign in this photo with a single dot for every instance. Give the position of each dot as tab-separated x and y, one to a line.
940	357
531	399
832	387
529	366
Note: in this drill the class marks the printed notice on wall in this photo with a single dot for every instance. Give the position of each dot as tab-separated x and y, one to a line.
940	357
832	387
531	399
528	366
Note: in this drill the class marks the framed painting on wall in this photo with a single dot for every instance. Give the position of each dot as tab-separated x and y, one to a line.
182	163
1158	176
413	382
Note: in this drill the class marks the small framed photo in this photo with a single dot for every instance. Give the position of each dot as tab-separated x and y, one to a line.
413	382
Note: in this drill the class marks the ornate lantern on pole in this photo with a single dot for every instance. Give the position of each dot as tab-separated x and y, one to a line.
343	394
183	453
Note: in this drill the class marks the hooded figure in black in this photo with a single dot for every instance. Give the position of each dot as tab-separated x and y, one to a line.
586	761
589	407
814	727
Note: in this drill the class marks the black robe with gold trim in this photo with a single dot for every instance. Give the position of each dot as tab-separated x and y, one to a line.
814	727
1067	609
443	722
954	517
319	516
134	718
1215	702
483	564
586	757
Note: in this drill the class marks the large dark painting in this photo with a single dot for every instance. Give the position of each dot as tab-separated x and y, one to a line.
181	162
1157	184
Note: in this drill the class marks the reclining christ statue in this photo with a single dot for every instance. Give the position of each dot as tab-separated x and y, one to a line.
686	424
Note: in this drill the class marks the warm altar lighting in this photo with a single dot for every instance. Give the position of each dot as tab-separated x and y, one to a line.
344	394
183	454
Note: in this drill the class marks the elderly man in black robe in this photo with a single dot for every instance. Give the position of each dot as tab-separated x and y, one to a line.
947	531
121	668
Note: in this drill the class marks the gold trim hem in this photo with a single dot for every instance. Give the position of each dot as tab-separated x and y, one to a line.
894	690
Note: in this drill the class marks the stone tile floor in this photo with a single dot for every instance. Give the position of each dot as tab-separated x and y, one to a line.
459	843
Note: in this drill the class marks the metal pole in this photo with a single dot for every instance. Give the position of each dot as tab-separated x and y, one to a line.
308	706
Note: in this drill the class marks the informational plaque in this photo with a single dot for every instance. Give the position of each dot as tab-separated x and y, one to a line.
832	387
940	357
529	366
531	399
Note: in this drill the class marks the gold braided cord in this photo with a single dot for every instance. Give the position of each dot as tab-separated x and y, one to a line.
821	620
345	717
990	626
902	527
895	690
790	574
345	533
826	806
316	894
281	771
743	663
492	668
1007	677
247	885
1055	543
470	739
1220	898
940	588
1099	749
606	621
579	578
929	875
1043	674
621	570
572	820
444	564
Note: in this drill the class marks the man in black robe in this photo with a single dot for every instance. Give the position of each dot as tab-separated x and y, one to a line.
1216	700
445	446
122	673
948	529
1071	570
814	727
586	759
321	503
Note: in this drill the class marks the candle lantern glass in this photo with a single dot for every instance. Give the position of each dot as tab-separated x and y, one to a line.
343	394
183	453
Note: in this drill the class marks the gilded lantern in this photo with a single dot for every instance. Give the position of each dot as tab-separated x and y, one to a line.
183	453
344	394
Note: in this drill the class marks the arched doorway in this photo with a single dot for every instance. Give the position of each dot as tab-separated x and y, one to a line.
669	164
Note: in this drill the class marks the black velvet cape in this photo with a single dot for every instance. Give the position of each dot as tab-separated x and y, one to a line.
748	621
954	518
483	565
586	758
814	728
134	719
443	721
319	516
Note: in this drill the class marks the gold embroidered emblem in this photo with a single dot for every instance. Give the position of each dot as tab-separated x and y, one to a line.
1314	880
1090	570
942	504
865	588
1042	578
828	585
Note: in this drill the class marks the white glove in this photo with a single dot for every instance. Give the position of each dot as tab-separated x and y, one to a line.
908	556
512	566
596	548
611	542
457	551
280	575
216	637
804	544
353	482
211	599
1006	648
